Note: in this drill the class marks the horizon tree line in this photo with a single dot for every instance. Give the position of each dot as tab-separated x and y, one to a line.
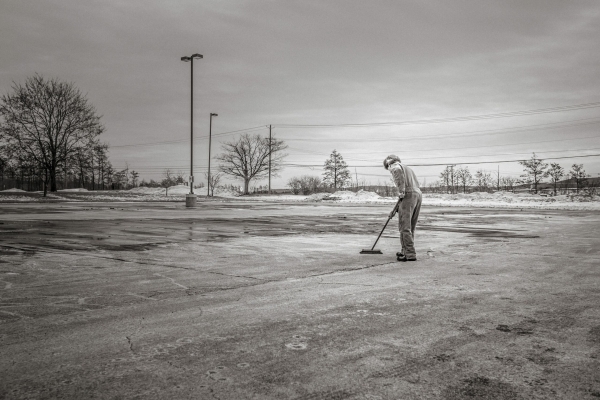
536	170
50	138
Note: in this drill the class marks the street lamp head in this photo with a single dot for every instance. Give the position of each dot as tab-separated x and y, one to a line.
196	55
214	115
186	59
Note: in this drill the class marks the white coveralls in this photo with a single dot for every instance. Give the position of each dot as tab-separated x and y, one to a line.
408	190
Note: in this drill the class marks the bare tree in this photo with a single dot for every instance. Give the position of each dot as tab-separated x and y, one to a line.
311	184
120	179
579	175
213	182
294	185
168	180
464	177
247	158
305	184
134	177
555	172
4	165
110	172
508	182
102	163
484	180
180	177
81	161
48	120
445	177
535	171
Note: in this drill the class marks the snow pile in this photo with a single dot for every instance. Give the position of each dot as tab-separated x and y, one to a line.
179	189
511	200
13	199
581	201
346	196
583	197
73	190
224	192
367	196
182	190
13	190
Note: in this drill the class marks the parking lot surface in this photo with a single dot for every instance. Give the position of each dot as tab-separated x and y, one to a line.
250	300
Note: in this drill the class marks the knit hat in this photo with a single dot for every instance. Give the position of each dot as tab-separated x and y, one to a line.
389	160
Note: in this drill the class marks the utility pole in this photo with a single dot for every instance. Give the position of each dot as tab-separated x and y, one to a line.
65	163
269	159
190	199
452	176
498	182
208	193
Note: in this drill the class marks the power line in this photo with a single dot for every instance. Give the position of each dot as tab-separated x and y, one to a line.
487	132
482	147
437	120
526	128
453	119
458	163
240	130
187	140
294	164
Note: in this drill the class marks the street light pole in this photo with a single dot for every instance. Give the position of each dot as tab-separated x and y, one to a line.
190	199
209	139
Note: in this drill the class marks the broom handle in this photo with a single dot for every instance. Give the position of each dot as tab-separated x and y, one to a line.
386	222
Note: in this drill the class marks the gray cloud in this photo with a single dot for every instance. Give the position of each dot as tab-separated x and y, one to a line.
269	62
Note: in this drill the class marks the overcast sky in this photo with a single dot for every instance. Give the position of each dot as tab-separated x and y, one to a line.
324	63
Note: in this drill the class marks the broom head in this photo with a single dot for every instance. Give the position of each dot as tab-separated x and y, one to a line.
369	251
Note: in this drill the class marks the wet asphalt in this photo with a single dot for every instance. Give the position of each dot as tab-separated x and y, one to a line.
250	300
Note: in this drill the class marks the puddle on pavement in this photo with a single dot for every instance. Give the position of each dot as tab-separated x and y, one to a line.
478	232
127	235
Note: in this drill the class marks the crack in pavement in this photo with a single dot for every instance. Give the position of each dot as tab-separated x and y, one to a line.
344	283
239	276
139	295
172	281
346	270
130	343
82	254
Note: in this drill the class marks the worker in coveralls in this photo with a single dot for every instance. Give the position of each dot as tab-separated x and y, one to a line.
410	205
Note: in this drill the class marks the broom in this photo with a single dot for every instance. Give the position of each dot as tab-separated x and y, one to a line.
372	251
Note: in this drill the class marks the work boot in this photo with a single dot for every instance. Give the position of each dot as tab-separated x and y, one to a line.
399	254
404	258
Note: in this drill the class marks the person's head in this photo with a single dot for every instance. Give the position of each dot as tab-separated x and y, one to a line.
389	160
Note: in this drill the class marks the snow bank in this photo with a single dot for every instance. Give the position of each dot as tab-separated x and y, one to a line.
181	190
582	201
73	190
513	200
346	196
13	190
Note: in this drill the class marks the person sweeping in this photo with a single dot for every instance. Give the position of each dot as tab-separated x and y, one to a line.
408	212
